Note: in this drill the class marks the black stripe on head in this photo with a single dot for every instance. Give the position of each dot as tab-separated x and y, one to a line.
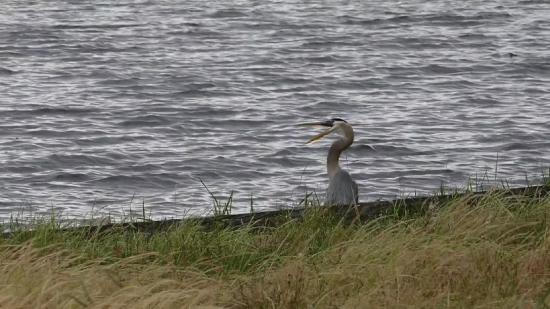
338	119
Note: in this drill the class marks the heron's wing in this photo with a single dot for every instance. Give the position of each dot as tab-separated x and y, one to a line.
355	192
341	189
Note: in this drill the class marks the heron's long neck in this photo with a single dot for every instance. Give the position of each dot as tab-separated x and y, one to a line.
335	150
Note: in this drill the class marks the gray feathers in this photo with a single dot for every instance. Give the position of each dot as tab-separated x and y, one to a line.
341	190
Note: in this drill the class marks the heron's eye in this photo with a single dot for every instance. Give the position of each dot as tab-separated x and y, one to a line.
338	119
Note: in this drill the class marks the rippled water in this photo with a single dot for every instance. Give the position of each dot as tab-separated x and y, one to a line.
106	99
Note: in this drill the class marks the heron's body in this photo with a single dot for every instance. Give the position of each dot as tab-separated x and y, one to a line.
342	189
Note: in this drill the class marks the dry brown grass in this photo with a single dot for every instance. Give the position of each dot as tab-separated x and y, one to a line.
493	254
31	278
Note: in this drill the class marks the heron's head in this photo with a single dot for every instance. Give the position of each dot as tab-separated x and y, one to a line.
334	125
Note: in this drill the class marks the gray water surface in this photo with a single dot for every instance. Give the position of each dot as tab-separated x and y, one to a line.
104	100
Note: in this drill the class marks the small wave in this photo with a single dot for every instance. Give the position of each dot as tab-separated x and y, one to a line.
322	59
363	148
143	180
93	26
200	32
145	121
132	82
533	2
386	149
77	160
106	201
192	24
70	177
196	90
351	20
205	85
50	133
452	19
262	64
337	42
478	16
517	146
56	111
192	93
473	36
484	102
422	172
439	69
535	67
297	89
281	161
348	85
21	169
118	179
228	14
205	174
285	152
294	80
6	71
140	168
112	140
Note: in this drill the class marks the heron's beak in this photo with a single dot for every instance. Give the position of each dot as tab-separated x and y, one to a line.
325	124
318	136
316	123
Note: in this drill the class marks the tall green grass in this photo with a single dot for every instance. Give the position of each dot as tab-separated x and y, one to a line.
491	252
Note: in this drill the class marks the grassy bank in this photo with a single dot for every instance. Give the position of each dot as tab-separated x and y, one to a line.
492	253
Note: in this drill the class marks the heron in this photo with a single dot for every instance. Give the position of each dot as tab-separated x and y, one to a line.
342	189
